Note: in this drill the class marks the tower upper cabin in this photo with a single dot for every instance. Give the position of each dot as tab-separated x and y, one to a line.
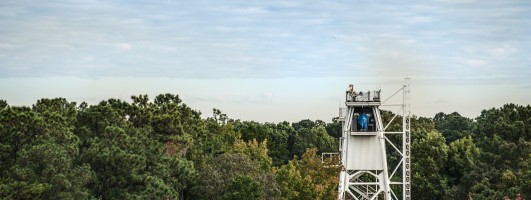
364	106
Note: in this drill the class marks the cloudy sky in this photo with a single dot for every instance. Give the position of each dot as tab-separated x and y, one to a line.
268	60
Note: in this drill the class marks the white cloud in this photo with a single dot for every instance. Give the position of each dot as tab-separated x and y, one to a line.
459	1
476	62
420	19
89	58
248	10
394	54
502	51
6	45
124	46
288	4
230	28
204	39
279	35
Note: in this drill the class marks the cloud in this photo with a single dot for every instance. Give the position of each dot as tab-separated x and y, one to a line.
124	46
502	51
476	62
246	10
459	1
5	45
266	39
420	19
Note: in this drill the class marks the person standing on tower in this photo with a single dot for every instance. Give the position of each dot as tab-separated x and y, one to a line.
351	95
363	121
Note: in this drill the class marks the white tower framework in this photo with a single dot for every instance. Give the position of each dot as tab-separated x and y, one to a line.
374	152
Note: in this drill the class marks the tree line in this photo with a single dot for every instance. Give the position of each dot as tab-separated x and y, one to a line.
163	149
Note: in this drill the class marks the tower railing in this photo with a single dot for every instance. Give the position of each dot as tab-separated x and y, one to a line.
369	96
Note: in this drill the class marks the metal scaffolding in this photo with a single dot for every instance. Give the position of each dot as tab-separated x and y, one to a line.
367	142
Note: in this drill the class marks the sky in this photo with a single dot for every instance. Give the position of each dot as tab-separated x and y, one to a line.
268	61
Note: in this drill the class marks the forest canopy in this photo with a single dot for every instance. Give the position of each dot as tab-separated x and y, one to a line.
163	149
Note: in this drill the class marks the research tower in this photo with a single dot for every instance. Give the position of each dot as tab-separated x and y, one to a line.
375	162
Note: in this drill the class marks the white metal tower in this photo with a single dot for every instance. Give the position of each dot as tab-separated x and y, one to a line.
363	148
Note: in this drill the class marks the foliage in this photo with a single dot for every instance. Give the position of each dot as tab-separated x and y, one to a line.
243	187
220	172
453	126
430	154
308	178
163	149
315	137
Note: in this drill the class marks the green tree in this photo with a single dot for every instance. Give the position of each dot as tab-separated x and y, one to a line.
243	187
257	152
304	124
453	126
280	142
430	155
132	160
463	157
290	181
38	151
220	172
483	190
334	129
245	159
316	137
503	136
252	130
308	178
3	104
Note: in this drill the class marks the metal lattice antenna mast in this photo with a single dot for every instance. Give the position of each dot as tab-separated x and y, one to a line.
406	143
